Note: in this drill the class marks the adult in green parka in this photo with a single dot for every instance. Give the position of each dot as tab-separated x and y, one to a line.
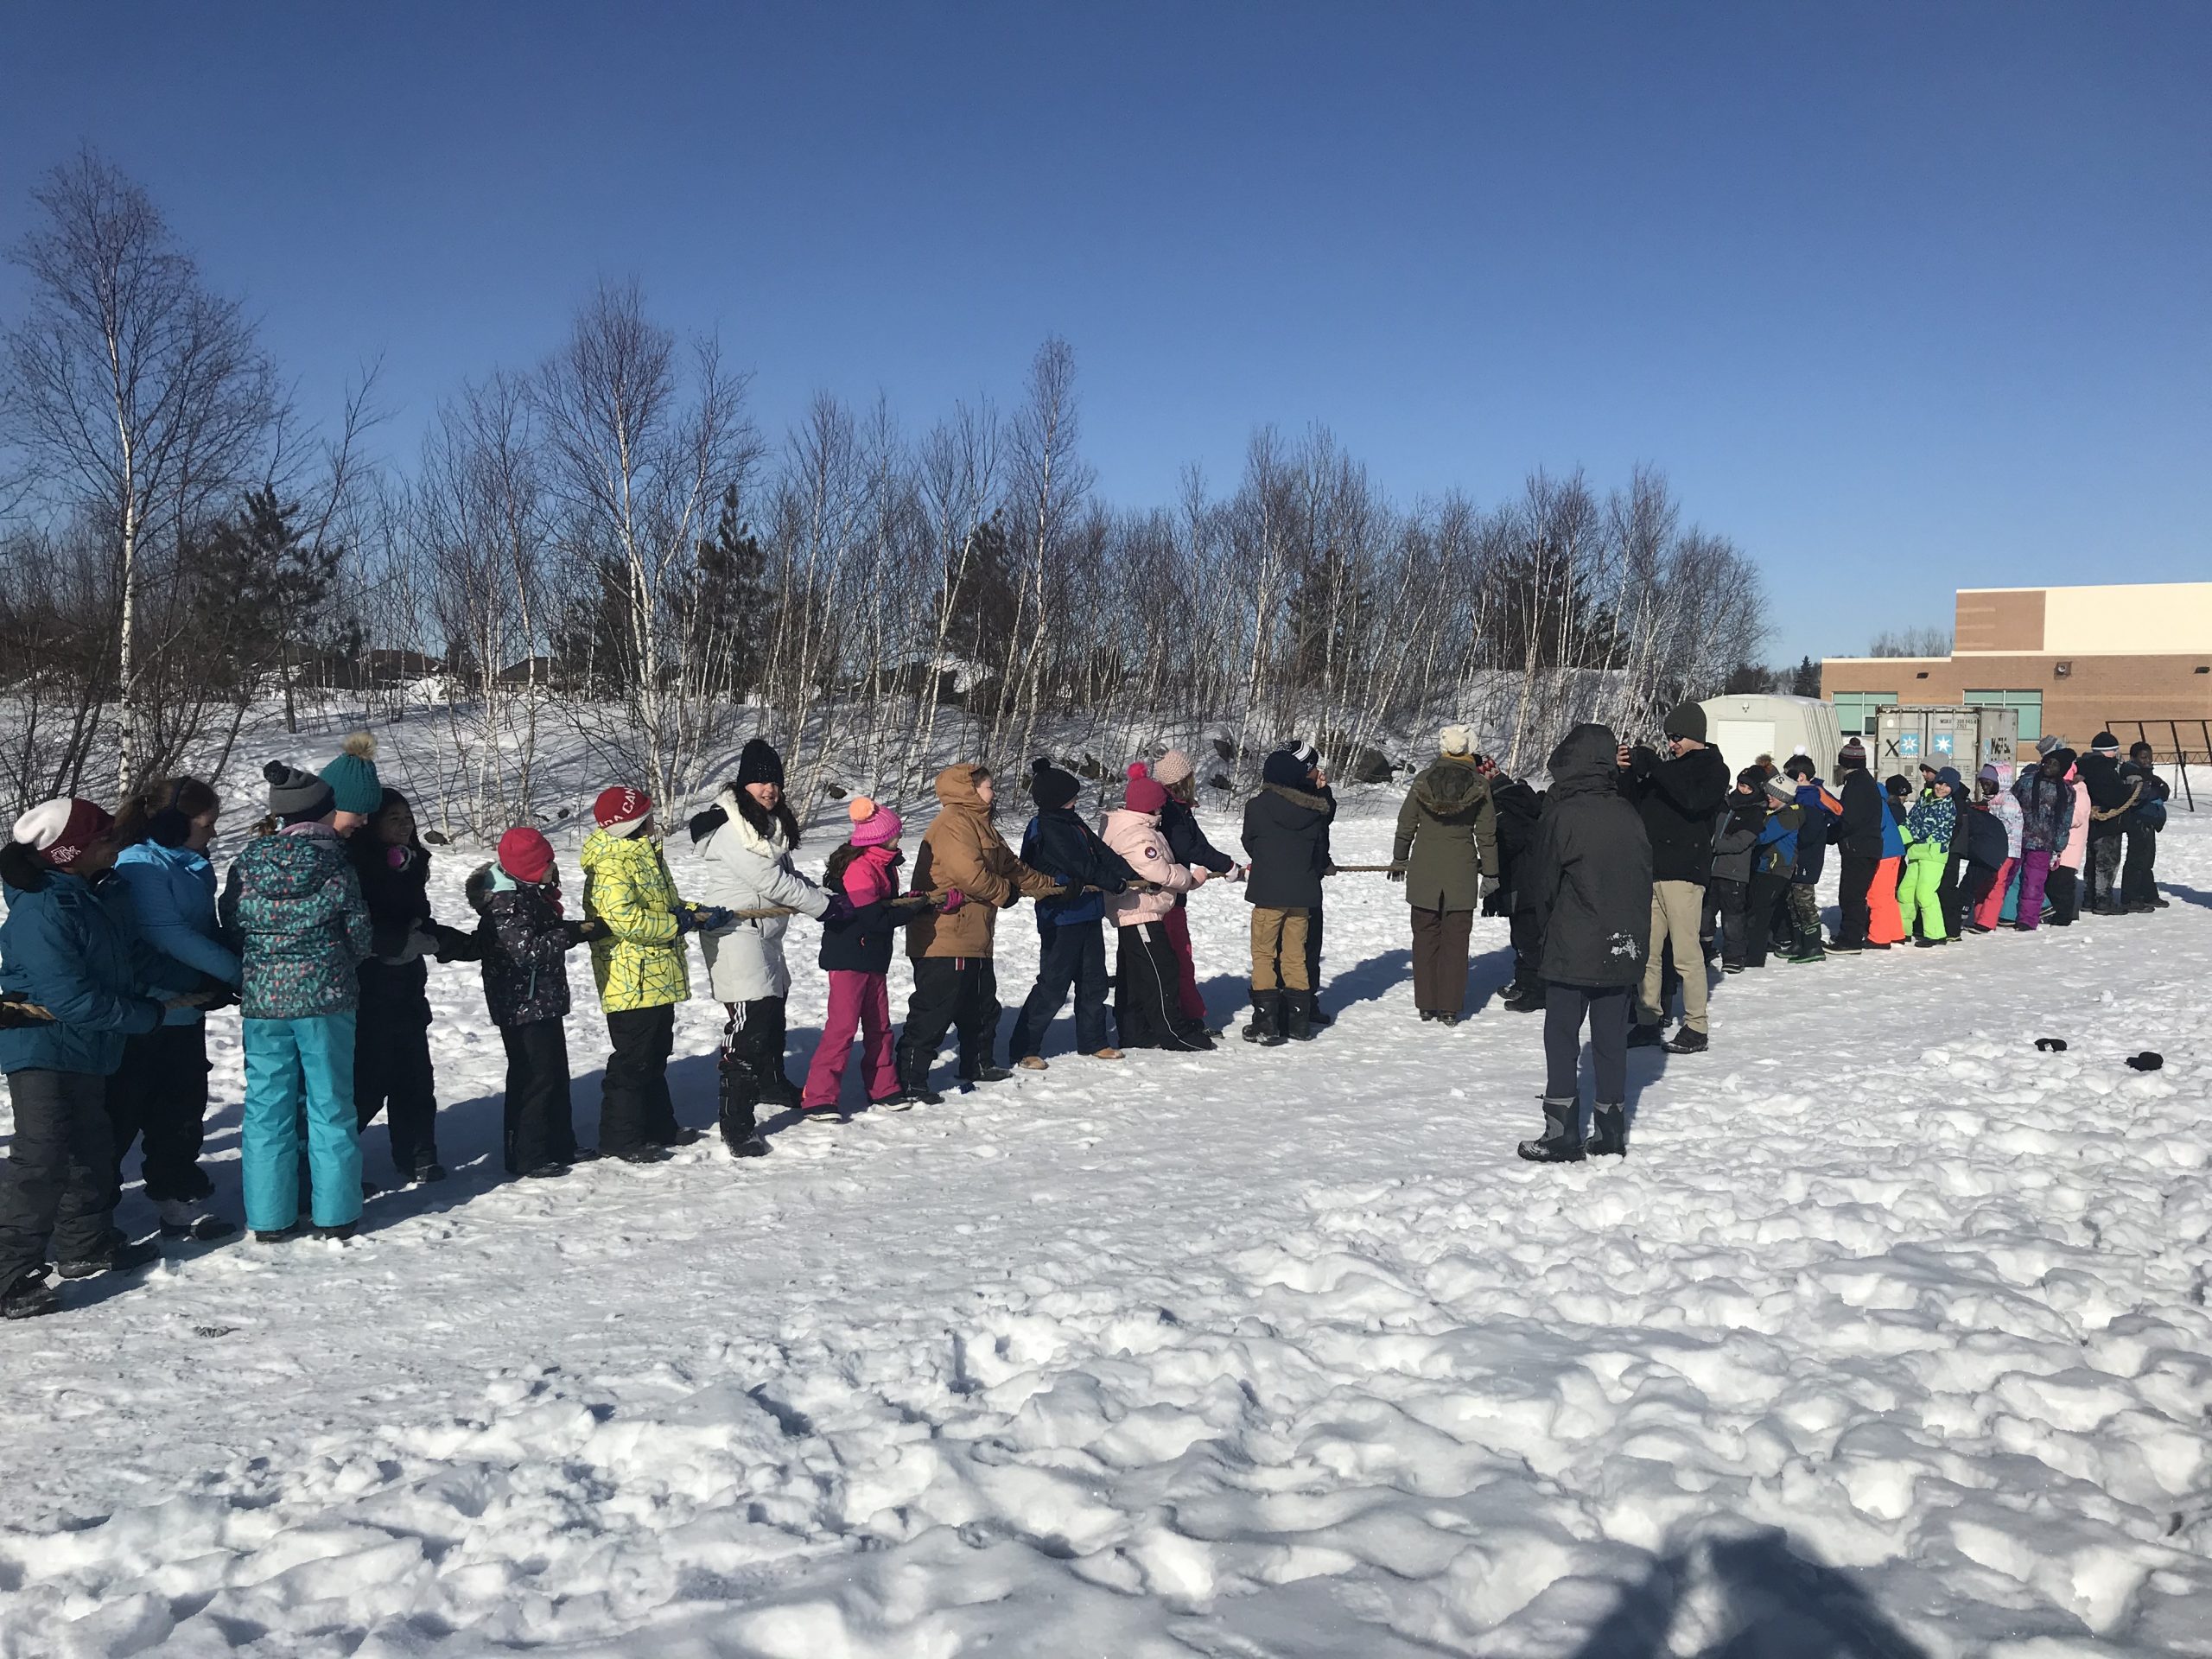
1448	844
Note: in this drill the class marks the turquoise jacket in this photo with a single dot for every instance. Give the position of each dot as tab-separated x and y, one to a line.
173	896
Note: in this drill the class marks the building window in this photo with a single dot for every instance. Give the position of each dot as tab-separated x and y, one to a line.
1854	710
2030	703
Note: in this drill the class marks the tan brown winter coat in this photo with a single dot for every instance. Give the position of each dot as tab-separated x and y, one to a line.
963	850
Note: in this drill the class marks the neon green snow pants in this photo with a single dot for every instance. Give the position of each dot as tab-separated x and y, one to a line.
1917	892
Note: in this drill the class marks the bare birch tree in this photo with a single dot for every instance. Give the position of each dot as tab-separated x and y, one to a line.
639	456
133	391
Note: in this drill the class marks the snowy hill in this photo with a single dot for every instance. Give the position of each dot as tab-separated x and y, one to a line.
1889	1338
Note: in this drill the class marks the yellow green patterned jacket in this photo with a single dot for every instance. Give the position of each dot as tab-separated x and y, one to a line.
640	962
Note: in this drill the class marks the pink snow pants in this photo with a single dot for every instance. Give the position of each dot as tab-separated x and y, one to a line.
2034	873
856	1000
1990	910
1178	924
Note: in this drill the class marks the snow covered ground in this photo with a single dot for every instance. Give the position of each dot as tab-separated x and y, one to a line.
1890	1338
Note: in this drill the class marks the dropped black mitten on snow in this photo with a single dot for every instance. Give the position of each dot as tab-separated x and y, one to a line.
2146	1061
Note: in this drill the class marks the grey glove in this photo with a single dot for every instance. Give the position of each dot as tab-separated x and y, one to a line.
417	945
1490	886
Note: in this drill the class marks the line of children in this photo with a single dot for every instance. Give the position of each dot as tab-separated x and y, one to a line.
317	931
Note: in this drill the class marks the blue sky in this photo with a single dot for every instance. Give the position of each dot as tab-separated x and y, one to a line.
1902	297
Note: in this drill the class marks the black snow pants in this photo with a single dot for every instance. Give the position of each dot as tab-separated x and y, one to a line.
2139	880
539	1128
392	1074
951	993
159	1098
1853	914
636	1110
1147	1008
60	1174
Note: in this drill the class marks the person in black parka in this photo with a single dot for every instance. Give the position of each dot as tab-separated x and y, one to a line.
2111	798
393	1071
1590	883
1286	844
1519	807
1317	783
1858	837
1679	797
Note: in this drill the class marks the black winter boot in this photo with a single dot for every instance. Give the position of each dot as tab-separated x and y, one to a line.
29	1296
116	1253
1525	996
914	1082
1562	1141
1609	1132
777	1090
1266	1025
739	1091
1299	1024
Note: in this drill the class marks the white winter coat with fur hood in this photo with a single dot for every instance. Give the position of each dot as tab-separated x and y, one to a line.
740	868
1138	838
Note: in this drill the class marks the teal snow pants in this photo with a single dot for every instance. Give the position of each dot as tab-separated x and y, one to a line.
287	1061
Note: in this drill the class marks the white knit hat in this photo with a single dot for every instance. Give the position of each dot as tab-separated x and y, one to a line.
1457	740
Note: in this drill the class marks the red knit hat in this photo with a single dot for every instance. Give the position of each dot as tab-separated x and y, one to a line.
620	810
59	831
525	854
1144	795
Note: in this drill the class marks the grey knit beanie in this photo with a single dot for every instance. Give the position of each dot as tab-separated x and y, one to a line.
296	796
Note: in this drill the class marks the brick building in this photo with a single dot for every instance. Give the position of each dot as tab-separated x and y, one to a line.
2072	660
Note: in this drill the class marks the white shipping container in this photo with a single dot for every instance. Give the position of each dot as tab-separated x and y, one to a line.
1967	736
1744	727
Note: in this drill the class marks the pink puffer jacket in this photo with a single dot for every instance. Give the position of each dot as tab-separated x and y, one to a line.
2075	857
1138	838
